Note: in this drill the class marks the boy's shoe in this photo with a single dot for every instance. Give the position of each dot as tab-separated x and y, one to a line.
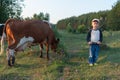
90	64
95	64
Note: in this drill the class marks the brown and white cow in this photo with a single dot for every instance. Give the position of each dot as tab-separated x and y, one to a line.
21	34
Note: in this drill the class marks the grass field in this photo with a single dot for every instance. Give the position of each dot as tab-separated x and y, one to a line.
74	66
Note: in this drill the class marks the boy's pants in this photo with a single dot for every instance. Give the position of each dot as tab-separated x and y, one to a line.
93	53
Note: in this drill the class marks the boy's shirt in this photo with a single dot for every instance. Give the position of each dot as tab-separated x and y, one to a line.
94	36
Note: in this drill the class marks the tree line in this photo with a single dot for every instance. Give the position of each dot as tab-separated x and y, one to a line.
109	20
40	16
13	9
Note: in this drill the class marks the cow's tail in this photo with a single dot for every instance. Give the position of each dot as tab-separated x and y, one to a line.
2	43
3	37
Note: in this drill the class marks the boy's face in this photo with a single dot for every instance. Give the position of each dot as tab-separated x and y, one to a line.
95	24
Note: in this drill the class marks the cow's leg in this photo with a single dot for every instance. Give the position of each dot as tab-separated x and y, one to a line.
41	53
10	55
13	60
9	52
47	49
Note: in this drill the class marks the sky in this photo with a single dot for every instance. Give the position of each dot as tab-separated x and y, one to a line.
61	9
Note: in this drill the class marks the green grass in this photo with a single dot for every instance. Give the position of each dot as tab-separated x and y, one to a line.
74	66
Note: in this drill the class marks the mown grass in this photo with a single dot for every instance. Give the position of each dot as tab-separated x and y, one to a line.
74	66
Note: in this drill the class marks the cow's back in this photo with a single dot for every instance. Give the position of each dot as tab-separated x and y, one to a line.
37	29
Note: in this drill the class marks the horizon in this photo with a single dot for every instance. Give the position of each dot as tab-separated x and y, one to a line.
66	10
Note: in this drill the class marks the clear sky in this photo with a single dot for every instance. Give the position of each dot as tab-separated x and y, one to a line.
60	9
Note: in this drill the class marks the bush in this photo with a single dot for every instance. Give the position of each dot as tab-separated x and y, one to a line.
81	29
69	28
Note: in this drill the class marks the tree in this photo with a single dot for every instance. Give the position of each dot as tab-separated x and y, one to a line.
114	17
35	16
41	16
10	9
47	17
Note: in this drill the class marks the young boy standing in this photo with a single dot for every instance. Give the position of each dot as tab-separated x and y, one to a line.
94	39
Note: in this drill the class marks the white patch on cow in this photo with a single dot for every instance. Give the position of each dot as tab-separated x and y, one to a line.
24	42
9	53
45	21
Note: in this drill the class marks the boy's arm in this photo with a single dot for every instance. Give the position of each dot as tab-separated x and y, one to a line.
88	36
101	36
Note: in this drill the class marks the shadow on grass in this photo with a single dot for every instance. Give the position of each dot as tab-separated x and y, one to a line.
110	55
13	76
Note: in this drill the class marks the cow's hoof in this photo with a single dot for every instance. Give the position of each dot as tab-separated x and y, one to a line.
41	56
13	60
48	59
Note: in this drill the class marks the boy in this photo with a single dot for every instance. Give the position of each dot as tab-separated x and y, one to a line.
94	39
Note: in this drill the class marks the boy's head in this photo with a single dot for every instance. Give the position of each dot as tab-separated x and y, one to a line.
95	23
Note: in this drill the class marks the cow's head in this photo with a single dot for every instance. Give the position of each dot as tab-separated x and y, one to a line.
54	45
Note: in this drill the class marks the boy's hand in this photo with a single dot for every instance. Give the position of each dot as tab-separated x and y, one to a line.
99	42
89	42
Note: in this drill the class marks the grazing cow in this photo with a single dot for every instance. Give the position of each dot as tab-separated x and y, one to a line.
21	34
41	45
